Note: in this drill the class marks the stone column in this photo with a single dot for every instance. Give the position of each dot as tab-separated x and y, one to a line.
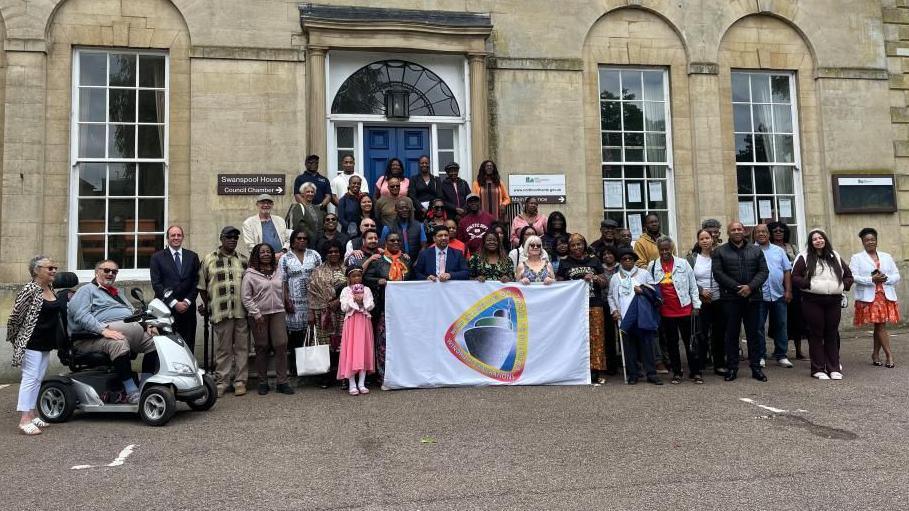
315	84
715	198
479	111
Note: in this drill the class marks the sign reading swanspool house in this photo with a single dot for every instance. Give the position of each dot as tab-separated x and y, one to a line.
251	184
547	188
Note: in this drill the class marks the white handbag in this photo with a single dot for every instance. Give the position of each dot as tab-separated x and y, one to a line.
312	358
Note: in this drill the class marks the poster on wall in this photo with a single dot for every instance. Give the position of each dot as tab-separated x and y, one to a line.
546	188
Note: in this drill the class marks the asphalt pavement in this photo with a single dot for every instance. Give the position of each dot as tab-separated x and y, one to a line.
790	443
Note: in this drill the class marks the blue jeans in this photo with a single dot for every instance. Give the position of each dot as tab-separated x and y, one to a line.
777	309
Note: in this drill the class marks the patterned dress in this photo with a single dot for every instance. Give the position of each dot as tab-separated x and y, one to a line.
297	274
324	286
881	310
482	268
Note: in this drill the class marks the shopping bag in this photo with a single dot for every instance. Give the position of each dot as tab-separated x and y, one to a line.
312	358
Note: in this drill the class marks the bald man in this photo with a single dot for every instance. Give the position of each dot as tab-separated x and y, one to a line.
740	270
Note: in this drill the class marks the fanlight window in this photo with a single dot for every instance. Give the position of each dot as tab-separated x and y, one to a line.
364	91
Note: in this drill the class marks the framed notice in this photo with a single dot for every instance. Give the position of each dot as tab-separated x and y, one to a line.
864	193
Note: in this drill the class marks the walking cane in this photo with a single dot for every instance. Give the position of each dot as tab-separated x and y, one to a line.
622	346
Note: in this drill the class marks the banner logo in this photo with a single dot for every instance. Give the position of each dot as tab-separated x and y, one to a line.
490	337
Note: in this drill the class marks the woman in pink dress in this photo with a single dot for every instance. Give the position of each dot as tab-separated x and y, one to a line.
356	339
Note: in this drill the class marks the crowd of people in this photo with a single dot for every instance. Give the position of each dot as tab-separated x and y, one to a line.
318	274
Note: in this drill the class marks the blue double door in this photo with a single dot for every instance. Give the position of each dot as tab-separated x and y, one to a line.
384	143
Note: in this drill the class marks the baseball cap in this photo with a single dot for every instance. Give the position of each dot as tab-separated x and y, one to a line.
229	230
265	197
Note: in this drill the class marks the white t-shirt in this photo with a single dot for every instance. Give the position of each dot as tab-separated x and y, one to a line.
703	274
339	187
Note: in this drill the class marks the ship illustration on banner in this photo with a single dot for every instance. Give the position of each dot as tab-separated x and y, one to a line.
490	337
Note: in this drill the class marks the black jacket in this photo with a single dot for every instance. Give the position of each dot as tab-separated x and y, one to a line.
734	266
420	192
455	195
164	275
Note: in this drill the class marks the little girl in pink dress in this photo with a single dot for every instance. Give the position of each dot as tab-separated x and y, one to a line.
356	357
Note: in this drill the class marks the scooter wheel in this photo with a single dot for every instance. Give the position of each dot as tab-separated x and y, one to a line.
208	400
56	401
157	405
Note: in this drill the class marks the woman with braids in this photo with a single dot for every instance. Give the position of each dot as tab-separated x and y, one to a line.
491	189
822	276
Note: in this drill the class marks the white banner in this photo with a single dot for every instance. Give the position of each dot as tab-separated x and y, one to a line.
466	333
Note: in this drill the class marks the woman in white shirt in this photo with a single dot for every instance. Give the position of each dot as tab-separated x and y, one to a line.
712	321
876	276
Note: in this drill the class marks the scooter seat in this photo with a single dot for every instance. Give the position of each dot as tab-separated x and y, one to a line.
91	359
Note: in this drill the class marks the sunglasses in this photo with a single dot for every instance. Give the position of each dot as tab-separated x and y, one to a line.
394	241
536	245
109	271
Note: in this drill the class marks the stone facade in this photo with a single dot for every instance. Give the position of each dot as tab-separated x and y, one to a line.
246	78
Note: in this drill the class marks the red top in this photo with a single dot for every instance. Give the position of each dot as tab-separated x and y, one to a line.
672	307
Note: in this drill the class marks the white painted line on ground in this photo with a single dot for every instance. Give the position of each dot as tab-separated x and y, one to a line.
768	408
119	460
4	386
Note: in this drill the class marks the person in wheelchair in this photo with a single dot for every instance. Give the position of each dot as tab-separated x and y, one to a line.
95	315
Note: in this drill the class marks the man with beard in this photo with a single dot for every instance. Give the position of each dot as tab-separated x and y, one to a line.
473	225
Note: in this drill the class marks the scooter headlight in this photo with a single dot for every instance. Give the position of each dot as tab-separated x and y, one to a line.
181	368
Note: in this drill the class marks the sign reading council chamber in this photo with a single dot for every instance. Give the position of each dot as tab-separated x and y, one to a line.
546	188
251	184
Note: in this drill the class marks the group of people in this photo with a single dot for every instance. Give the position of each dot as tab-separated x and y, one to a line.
318	275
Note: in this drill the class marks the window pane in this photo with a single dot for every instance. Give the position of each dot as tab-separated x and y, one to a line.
91	215
121	215
91	140
122	249
92	179
446	156
122	106
762	121
635	171
612	154
631	85
744	149
786	204
765	203
656	147
151	141
151	215
89	251
609	84
782	119
446	139
655	116
634	194
123	179
634	154
91	104
656	171
740	88
148	245
610	116
122	69
634	140
633	116
784	148
151	179
653	85
151	71
760	89
618	216
742	117
656	190
743	178
763	182
122	141
92	68
151	106
345	136
763	148
611	139
612	172
783	178
780	86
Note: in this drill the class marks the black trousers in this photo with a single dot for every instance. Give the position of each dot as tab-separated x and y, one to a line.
612	361
738	312
185	325
673	328
711	334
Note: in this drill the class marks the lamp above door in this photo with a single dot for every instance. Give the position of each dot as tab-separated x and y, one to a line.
397	103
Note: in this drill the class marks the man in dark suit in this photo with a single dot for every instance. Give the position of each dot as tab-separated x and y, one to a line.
438	262
177	269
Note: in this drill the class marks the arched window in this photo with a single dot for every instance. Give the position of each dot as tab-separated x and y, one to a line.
364	91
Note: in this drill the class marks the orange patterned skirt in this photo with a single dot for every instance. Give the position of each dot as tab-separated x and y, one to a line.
597	339
881	310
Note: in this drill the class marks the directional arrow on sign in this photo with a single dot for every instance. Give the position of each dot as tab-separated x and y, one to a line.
279	190
562	199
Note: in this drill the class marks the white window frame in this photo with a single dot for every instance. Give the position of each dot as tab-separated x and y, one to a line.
670	175
75	160
796	164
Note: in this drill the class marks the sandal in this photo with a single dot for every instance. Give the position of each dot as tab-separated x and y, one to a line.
876	362
353	391
601	381
40	423
698	379
889	365
29	429
364	390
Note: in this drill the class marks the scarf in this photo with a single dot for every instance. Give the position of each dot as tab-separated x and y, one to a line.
626	281
398	270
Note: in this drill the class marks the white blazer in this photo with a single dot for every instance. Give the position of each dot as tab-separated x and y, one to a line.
252	231
862	265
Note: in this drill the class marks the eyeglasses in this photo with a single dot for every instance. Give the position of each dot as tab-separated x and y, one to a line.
777	230
536	245
330	219
49	268
110	271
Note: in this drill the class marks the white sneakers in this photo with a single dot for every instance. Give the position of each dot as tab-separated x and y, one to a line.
763	363
822	376
836	375
784	362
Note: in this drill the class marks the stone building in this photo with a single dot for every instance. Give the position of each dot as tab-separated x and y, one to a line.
119	115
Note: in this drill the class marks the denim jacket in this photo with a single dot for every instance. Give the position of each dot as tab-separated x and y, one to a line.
686	287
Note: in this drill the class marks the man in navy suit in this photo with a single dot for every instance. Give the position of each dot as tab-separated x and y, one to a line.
177	269
438	262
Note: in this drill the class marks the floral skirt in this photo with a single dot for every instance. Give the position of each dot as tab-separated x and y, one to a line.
881	310
597	339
